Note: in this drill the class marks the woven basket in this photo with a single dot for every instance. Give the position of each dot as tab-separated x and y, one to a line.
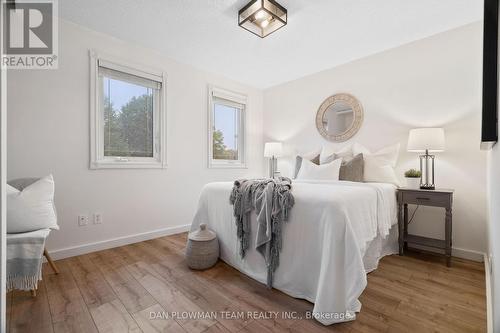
201	251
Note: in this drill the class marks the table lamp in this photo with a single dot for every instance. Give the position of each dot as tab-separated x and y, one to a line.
272	150
426	140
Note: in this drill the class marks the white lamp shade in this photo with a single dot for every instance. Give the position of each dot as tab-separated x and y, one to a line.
422	139
273	149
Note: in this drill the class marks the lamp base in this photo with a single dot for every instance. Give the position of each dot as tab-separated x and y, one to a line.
273	166
427	171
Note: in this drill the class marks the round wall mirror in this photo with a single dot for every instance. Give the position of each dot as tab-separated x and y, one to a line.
339	117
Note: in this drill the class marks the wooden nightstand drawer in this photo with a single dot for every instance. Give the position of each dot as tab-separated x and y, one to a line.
427	198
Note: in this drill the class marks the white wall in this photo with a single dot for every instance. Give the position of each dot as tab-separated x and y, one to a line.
432	82
48	115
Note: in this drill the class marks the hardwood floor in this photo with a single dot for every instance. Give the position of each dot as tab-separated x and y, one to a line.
119	290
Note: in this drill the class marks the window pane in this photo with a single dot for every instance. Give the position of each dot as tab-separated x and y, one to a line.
225	132
128	119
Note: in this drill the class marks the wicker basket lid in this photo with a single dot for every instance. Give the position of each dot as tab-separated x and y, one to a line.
202	234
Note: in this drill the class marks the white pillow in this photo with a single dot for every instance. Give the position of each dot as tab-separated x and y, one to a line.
310	155
379	166
32	208
328	153
375	170
311	171
388	154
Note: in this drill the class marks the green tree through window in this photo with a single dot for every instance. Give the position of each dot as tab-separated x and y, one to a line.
220	151
129	132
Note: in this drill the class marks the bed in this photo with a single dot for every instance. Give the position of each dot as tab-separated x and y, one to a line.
337	232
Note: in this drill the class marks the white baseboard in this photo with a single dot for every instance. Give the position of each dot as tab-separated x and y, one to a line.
115	242
456	252
467	254
489	294
120	241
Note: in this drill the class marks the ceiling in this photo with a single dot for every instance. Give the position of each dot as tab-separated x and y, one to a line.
320	34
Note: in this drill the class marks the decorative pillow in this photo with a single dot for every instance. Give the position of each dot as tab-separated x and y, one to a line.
352	170
311	171
32	208
313	157
388	154
379	166
328	154
378	172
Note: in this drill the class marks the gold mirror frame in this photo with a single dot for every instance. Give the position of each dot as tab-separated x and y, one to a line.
356	124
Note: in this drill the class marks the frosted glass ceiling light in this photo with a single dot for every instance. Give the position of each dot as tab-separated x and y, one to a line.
260	14
262	17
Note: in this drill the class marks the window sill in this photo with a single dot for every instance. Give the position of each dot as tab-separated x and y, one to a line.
227	166
127	165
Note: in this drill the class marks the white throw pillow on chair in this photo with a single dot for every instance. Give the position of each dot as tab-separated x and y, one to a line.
32	208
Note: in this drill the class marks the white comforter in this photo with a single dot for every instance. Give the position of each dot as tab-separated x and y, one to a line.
324	257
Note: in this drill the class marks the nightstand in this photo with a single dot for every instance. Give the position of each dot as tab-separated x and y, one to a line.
435	198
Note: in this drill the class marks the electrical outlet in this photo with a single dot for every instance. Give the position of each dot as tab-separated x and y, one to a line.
83	220
97	218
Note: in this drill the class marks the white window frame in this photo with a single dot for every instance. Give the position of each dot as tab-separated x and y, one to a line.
231	97
97	158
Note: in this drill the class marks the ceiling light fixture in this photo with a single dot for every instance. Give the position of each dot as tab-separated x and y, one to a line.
262	17
260	14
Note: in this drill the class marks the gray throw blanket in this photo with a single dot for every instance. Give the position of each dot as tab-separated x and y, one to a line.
272	200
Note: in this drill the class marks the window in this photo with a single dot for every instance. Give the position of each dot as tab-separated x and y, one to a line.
226	134
128	117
